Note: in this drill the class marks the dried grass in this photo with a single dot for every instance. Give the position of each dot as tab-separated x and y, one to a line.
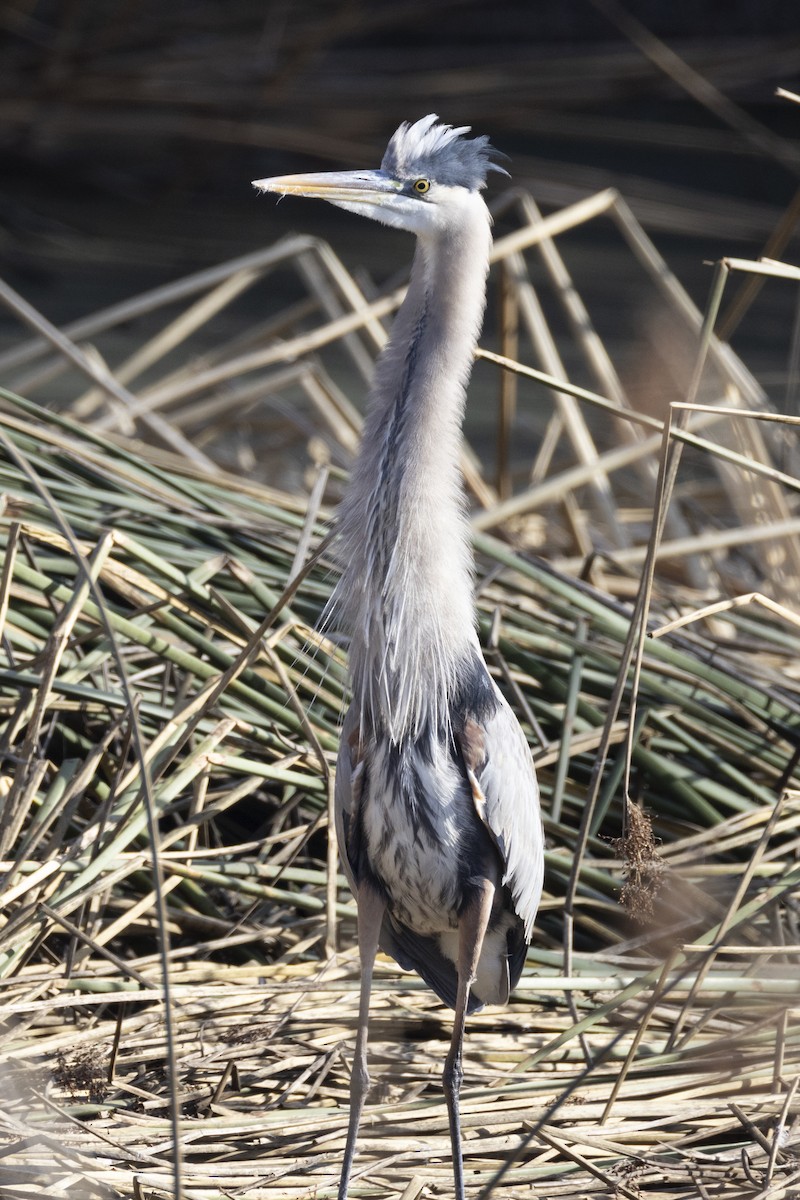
169	725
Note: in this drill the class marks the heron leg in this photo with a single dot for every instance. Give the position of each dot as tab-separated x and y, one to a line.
371	907
471	931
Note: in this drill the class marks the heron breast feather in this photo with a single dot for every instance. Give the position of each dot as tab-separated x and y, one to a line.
420	832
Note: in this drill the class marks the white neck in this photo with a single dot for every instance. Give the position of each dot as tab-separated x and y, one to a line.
405	596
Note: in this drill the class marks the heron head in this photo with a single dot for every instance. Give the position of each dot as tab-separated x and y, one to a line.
428	172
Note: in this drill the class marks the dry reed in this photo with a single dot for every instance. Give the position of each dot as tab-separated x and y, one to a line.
169	725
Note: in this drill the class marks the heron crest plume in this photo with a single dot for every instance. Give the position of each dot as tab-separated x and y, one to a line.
429	149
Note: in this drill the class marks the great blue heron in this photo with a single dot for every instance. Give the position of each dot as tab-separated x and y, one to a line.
436	797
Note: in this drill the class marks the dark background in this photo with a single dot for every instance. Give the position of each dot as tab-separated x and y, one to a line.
129	132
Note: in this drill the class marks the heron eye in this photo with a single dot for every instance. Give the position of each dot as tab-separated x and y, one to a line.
422	186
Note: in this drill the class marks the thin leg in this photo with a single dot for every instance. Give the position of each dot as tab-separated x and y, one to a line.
471	931
371	908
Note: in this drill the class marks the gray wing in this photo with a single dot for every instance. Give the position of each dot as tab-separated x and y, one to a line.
503	780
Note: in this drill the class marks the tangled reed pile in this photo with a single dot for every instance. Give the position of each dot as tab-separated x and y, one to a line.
177	975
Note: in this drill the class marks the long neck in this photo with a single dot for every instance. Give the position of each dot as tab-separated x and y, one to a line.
405	596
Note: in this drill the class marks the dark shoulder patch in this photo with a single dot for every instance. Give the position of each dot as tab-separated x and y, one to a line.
475	696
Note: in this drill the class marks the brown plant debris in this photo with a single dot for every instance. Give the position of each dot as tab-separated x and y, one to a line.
643	868
82	1074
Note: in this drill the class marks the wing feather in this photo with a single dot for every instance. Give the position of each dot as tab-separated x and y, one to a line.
506	796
